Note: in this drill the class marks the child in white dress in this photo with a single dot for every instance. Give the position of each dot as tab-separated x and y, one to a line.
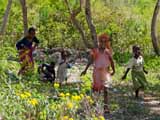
62	68
136	64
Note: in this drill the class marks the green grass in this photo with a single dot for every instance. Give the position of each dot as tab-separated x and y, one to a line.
50	105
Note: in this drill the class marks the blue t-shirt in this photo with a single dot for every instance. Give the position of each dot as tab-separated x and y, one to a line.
26	43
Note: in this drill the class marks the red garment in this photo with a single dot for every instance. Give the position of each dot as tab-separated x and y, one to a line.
26	60
101	75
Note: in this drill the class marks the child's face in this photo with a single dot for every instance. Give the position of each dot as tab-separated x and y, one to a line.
52	64
102	43
32	34
137	53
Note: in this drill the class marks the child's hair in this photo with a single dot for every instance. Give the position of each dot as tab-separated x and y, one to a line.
63	54
103	36
53	63
107	40
31	29
135	48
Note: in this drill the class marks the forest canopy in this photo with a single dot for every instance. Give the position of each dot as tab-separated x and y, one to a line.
128	22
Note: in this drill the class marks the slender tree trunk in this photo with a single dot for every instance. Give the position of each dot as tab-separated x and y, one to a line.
73	14
90	22
81	31
24	12
153	28
5	18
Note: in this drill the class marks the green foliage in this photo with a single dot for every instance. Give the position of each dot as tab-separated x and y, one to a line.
127	23
19	96
152	62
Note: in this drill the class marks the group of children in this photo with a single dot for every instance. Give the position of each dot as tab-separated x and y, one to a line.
48	73
26	47
100	57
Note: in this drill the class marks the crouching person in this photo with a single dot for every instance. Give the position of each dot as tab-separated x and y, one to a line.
47	72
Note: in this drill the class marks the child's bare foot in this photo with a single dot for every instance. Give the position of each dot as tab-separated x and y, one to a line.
106	109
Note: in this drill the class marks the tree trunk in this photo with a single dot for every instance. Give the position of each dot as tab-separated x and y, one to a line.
73	14
5	18
90	22
24	12
153	28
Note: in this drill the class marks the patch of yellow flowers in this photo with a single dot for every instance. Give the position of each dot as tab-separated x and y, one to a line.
73	97
62	95
67	118
24	95
76	97
99	118
33	102
67	94
56	85
69	105
90	99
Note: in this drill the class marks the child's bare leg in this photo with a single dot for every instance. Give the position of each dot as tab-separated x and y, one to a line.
21	71
137	92
60	84
106	109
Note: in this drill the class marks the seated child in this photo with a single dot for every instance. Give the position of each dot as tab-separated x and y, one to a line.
47	72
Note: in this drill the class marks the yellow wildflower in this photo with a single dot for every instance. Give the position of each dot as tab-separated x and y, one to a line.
33	102
67	94
101	118
43	115
56	85
76	98
65	118
90	99
53	107
18	94
76	106
70	105
82	96
62	95
70	119
27	94
95	118
23	96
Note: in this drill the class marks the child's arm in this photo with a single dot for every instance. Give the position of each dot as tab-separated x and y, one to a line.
44	67
145	70
125	75
39	69
129	66
112	65
54	75
36	42
90	61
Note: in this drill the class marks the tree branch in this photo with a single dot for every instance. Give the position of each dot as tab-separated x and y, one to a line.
5	18
90	23
24	12
73	14
153	28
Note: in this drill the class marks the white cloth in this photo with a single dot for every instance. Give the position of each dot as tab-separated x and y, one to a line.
62	72
136	64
